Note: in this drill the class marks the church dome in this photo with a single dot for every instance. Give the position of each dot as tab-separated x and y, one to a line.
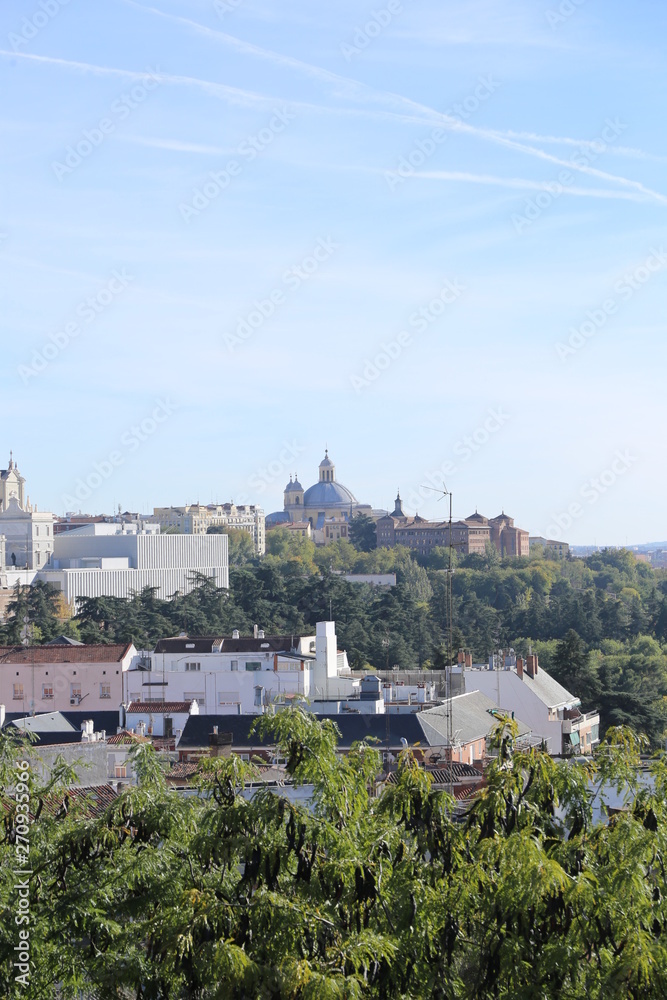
331	494
294	486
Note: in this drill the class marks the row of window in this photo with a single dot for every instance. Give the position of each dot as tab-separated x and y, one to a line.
74	692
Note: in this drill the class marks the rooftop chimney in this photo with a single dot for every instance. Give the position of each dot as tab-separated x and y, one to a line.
519	666
531	665
255	631
468	661
236	634
461	657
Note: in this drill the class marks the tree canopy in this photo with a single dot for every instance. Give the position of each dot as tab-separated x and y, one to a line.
354	893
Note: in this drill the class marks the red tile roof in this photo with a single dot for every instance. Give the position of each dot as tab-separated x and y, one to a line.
158	707
183	769
94	799
112	653
125	736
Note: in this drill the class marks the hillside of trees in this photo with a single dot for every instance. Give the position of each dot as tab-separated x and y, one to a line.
599	624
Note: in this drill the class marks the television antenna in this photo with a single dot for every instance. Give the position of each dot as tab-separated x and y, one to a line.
449	615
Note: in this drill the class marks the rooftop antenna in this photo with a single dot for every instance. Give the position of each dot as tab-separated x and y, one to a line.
449	616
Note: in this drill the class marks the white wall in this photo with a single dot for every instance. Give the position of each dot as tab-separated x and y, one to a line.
511	694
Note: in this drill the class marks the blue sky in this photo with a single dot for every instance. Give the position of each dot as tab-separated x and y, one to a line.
429	235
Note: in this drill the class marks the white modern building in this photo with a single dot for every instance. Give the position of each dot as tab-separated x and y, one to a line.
246	675
195	519
115	559
531	694
241	675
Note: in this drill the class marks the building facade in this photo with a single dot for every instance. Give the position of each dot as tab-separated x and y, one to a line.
63	678
195	519
553	713
26	534
112	560
470	535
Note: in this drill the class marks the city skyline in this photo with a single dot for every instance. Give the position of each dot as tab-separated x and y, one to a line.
428	236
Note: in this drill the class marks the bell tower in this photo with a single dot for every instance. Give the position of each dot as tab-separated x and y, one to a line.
327	469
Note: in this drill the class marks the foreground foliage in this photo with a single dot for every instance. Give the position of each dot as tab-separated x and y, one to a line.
218	896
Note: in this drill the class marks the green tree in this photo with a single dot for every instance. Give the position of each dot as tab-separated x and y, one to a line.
364	892
362	532
241	548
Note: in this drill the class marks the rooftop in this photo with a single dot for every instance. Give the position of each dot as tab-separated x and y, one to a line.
474	717
112	653
158	707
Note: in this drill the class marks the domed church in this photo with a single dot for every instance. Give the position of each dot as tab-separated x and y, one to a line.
326	500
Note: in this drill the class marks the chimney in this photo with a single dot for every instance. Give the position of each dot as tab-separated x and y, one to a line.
531	665
255	631
461	657
519	666
468	661
215	730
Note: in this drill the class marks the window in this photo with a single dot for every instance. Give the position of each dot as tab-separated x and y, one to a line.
18	692
47	691
120	771
235	664
74	694
198	696
105	690
253	665
193	666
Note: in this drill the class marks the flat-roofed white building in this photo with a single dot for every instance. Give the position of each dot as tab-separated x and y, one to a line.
241	675
104	560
